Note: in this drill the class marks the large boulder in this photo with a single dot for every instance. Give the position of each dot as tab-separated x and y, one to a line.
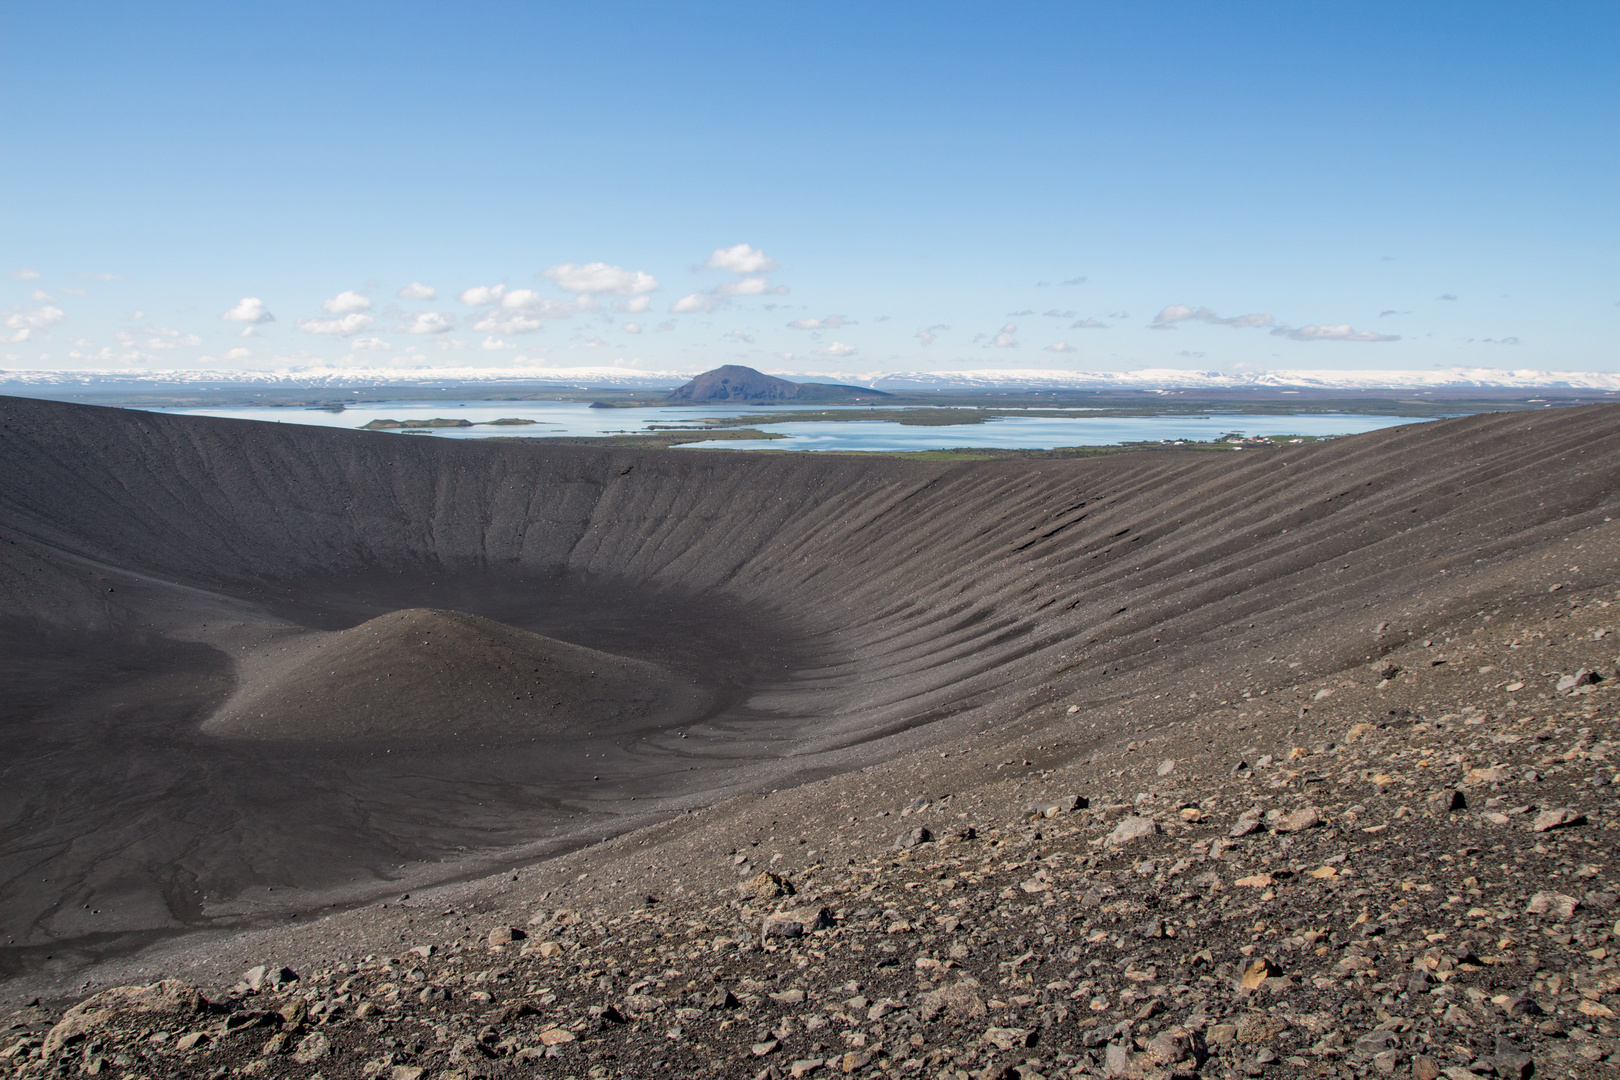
160	1000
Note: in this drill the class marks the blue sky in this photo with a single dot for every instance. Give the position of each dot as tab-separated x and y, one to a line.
1231	187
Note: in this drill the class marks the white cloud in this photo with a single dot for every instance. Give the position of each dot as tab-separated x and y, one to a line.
499	322
1073	281
695	302
738	335
249	309
1020	314
633	306
238	353
591	343
631	328
927	337
26	274
740	259
751	286
1175	313
1061	347
480	295
527	300
430	322
347	326
1056	314
345	303
75	292
828	322
1088	324
40	296
372	344
598	277
1330	333
165	337
749	263
495	343
28	321
418	291
837	348
1006	337
666	326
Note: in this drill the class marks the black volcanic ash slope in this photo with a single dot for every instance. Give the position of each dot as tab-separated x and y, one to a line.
833	611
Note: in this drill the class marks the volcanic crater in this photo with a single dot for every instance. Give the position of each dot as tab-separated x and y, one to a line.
251	670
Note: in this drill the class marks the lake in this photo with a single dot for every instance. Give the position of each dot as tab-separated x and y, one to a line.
551	419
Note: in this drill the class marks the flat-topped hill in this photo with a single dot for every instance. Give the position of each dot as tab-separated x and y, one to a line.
735	383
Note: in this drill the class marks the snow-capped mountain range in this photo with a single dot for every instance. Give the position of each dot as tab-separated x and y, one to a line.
1457	378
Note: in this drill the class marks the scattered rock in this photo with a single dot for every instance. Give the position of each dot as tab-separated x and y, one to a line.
311	1048
1554	904
1003	1038
1248	822
1259	1028
1583	677
1445	802
1496	774
1257	973
505	935
765	886
1298	821
913	838
1510	1062
960	1000
796	923
1562	817
1131	828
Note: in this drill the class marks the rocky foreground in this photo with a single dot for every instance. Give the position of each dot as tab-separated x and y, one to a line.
1404	870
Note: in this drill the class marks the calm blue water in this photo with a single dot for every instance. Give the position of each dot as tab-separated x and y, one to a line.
566	418
1046	433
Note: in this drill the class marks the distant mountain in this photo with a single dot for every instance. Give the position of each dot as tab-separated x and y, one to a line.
737	383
